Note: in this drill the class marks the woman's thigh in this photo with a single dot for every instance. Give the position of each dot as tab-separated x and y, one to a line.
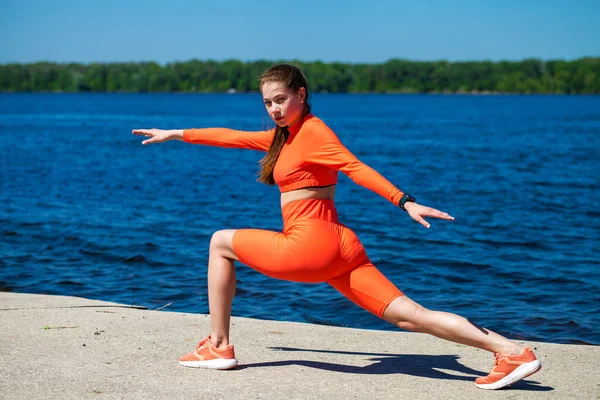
367	287
307	252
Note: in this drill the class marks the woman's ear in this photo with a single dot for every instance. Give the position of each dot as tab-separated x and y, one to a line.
302	94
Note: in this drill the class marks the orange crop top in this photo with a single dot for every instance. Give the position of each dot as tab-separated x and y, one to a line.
311	156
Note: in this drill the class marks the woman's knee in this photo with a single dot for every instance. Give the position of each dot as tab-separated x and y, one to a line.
221	244
406	314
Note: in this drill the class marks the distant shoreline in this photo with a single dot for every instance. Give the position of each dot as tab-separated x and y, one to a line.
580	76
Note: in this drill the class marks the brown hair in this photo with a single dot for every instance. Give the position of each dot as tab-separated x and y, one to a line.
294	79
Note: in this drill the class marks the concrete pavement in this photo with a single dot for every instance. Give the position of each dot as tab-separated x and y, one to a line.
74	348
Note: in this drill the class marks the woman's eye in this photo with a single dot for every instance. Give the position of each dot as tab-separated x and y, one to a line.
268	103
279	100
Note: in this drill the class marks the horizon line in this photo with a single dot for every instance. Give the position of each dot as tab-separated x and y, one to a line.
484	60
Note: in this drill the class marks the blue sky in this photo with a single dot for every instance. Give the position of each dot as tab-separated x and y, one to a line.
349	31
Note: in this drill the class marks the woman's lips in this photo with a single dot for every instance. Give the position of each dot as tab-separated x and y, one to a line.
279	119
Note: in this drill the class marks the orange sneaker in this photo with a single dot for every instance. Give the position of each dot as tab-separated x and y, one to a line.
509	369
207	356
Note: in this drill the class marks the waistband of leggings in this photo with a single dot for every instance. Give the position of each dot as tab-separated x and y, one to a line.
323	209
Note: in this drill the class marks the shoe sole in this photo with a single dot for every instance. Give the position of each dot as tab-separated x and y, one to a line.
523	371
228	363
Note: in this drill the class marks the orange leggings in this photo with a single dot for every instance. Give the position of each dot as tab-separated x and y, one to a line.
315	247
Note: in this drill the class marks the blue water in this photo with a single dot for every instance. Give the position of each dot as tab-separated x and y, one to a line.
86	210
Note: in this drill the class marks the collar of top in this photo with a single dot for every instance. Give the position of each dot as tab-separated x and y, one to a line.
298	125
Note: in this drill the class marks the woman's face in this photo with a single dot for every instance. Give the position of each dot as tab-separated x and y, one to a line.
283	104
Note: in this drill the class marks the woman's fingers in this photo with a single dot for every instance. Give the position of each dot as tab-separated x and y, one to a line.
432	212
417	212
420	220
146	132
149	133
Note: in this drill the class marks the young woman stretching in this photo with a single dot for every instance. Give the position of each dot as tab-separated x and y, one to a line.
303	158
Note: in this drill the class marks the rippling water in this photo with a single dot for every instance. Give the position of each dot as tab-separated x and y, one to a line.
85	210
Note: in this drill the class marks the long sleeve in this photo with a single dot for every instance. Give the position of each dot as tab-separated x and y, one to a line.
223	137
325	148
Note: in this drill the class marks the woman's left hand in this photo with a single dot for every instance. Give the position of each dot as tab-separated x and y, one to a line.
417	212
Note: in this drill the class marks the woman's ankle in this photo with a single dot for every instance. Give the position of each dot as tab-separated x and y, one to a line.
512	350
219	340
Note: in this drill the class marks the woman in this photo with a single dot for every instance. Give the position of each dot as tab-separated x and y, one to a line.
303	158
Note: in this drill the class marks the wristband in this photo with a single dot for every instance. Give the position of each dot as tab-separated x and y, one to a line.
406	197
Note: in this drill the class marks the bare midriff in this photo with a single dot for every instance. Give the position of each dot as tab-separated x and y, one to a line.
327	192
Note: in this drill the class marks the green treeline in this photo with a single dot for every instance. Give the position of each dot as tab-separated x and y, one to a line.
394	76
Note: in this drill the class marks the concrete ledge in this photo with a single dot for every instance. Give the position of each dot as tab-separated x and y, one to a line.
67	347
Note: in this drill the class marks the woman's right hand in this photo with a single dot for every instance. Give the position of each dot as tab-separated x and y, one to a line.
159	135
417	212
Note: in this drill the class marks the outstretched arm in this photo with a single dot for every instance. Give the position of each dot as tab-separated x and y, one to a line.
326	149
221	137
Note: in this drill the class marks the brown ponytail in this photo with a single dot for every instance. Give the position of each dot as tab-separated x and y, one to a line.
294	79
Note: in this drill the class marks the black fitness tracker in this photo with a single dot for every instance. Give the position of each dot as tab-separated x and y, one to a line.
406	197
